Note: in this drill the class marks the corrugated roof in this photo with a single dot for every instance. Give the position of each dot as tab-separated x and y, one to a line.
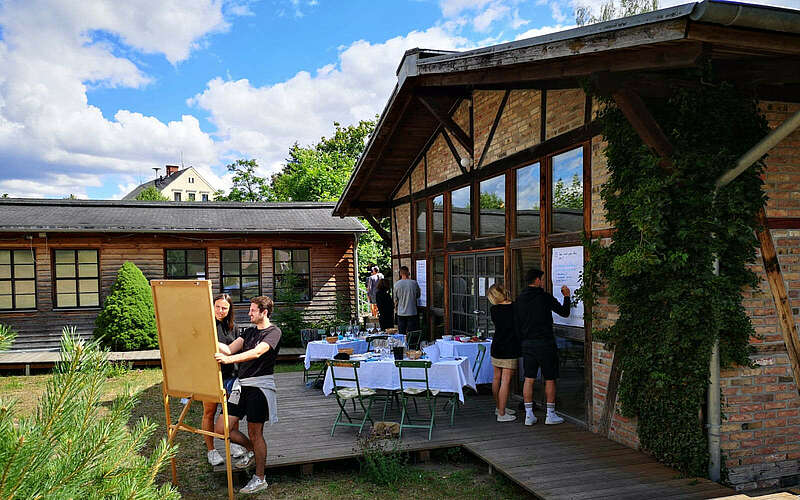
123	216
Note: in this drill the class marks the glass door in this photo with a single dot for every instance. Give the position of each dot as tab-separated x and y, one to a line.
471	275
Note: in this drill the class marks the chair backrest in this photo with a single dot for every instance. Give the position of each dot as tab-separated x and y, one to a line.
321	333
373	338
476	365
307	335
331	363
414	364
413	339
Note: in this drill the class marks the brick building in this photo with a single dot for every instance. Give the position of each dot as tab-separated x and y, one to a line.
489	162
59	258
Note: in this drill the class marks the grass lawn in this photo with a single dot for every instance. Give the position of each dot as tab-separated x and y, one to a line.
451	474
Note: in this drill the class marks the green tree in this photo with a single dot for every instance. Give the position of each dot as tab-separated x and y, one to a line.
610	10
492	200
127	321
247	185
150	193
571	196
73	446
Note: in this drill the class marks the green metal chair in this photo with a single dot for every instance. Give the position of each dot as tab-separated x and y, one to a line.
414	393
316	368
346	393
476	365
373	338
413	338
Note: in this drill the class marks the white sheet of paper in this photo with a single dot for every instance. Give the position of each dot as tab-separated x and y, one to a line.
422	281
482	286
566	266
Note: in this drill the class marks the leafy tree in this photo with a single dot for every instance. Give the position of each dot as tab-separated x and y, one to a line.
286	315
150	193
609	11
75	447
127	321
247	185
568	196
71	197
492	200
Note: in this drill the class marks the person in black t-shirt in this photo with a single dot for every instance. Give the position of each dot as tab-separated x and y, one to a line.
256	351
385	305
505	349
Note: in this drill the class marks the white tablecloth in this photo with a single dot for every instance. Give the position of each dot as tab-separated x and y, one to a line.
448	376
321	349
452	348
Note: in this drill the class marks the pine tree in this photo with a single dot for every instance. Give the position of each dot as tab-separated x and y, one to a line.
127	321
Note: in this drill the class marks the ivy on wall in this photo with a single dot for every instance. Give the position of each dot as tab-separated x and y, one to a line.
658	268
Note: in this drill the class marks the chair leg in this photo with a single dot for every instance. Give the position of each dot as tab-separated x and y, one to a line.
385	404
416	409
453	411
402	416
366	414
432	406
336	421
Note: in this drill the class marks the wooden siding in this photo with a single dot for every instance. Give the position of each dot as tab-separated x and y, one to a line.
331	256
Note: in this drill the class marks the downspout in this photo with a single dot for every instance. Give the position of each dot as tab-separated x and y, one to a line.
714	404
355	276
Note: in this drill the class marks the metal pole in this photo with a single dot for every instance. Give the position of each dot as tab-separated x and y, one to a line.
714	412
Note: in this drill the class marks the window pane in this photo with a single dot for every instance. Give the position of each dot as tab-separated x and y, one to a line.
87	270
196	256
196	270
87	256
283	267
20	287
282	255
301	267
5	301
300	254
23	271
67	300
230	255
438	281
524	259
230	283
175	256
528	201
23	257
26	301
250	268
250	291
437	232
90	299
65	270
249	255
460	220
5	256
5	271
493	206
5	287
175	270
568	191
421	225
88	286
63	256
65	286
230	268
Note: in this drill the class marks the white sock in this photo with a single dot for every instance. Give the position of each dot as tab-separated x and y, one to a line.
551	409
529	409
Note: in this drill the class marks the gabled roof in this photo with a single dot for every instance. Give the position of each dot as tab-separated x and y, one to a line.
122	216
159	184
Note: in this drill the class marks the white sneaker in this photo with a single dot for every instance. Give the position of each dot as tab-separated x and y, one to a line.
553	419
214	458
237	450
255	484
506	418
245	460
530	419
509	411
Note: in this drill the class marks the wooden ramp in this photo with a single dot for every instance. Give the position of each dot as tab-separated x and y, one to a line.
562	461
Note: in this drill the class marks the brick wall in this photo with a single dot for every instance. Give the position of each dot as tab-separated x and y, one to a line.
519	125
403	214
599	177
565	111
783	164
418	177
441	164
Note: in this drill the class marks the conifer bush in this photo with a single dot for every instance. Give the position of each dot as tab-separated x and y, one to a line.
74	447
127	321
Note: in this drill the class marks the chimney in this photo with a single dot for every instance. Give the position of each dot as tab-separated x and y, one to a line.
171	169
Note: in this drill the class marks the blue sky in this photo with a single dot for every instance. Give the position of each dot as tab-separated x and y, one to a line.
96	93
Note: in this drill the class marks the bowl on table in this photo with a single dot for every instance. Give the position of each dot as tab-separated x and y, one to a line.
447	337
332	340
413	354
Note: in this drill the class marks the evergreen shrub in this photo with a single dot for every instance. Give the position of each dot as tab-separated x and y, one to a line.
127	321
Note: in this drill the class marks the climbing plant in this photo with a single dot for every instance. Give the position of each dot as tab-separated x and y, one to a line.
659	267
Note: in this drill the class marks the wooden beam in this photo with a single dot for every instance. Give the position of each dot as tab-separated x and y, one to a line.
453	151
448	124
610	406
385	236
635	110
494	128
778	289
726	36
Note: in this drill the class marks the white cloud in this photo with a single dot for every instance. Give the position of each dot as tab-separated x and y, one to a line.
263	122
544	30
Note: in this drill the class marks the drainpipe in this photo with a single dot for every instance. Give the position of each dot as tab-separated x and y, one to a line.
744	162
355	276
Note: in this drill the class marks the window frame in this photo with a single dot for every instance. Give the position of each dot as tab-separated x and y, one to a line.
450	214
185	276
275	272
176	196
478	230
77	279
12	282
222	274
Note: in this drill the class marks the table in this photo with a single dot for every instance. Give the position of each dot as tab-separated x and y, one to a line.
469	350
321	349
446	375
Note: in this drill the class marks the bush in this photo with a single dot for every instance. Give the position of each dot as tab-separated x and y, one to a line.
7	336
73	446
151	194
382	461
127	321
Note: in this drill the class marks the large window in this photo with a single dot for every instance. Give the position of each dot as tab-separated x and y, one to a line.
493	207
567	192
240	277
460	219
437	223
77	278
527	211
420	225
292	271
524	259
185	264
17	279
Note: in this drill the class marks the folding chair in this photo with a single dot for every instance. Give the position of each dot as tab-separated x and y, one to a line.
344	394
373	338
413	339
430	395
316	368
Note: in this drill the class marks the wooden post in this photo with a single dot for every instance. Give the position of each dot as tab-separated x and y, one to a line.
611	395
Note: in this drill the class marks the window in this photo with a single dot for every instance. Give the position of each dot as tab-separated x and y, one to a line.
191	196
524	259
492	220
527	211
240	277
421	225
205	197
176	196
567	189
437	229
185	264
438	281
191	180
460	220
292	262
77	278
17	279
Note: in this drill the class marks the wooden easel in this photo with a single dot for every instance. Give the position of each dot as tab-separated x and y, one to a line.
187	341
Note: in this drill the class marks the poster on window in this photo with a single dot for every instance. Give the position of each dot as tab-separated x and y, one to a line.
422	281
566	265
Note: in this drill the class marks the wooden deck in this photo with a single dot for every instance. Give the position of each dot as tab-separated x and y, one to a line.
552	462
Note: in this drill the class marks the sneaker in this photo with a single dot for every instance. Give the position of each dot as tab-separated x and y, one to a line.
509	411
245	460
255	484
506	418
214	458
553	419
530	419
237	450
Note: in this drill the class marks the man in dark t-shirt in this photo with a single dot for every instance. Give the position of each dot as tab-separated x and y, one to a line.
256	351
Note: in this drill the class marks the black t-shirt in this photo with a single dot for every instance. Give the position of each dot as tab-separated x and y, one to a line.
264	364
385	309
533	318
226	336
505	344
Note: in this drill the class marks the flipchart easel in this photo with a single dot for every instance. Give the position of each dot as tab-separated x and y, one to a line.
187	340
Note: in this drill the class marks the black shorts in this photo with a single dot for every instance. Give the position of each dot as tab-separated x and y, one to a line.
540	355
252	404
